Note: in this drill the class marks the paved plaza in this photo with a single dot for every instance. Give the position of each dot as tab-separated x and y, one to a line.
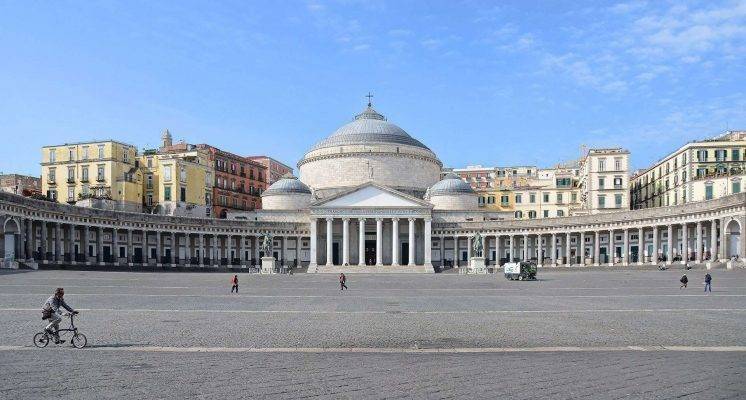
572	334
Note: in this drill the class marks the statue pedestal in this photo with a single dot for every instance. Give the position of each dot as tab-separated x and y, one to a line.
268	265
477	266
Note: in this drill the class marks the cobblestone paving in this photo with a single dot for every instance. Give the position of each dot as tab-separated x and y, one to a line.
128	316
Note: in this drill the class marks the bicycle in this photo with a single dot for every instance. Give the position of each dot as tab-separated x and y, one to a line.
78	339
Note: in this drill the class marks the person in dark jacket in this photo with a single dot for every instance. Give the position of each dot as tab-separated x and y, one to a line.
342	281
708	282
684	280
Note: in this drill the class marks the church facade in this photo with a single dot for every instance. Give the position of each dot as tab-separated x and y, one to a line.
369	198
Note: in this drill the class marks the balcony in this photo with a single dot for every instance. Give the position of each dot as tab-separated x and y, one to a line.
100	179
70	180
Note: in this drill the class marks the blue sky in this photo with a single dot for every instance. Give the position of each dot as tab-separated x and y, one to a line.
492	83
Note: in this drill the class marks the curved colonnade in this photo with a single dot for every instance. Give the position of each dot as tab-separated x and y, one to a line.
40	232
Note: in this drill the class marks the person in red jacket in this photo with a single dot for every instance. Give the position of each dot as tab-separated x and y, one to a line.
234	281
342	281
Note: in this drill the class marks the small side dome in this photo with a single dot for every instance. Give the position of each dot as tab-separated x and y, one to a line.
450	184
287	184
452	193
288	193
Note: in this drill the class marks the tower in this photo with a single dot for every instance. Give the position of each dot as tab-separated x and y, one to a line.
166	139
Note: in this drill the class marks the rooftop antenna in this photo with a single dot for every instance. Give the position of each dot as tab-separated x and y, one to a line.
369	96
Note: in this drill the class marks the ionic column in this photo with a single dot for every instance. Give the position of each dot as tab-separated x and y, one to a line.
395	242
298	243
539	255
187	248
144	242
379	242
625	250
158	248
655	244
312	253
58	242
345	241
428	243
525	247
30	236
669	253
685	242
100	245
201	250
115	245
361	242
285	250
71	243
497	250
567	249
329	258
241	248
44	240
410	248
597	248
554	249
699	241
582	248
86	238
229	248
130	251
214	255
612	249
468	248
455	251
442	250
512	248
714	240
640	246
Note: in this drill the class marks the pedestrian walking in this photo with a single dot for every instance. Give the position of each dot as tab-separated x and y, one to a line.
234	281
342	281
684	280
708	282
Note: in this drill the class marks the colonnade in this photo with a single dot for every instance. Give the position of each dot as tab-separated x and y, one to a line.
698	241
69	243
361	229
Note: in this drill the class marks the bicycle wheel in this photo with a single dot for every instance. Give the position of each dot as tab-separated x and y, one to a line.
41	340
79	340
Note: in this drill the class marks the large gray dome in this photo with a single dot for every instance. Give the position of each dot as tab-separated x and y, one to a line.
287	184
369	127
450	184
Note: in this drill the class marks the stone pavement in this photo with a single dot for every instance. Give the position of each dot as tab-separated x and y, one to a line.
169	335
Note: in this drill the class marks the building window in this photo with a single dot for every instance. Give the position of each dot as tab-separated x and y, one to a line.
52	194
52	155
125	155
504	200
70	193
532	214
167	193
736	186
617	164
150	162
519	214
735	155
182	196
85	152
708	191
618	182
602	201
560	213
100	173
518	199
182	174
149	181
574	197
546	213
167	173
701	155
532	198
601	164
618	200
559	198
601	183
546	197
71	153
84	173
101	151
51	174
150	199
720	155
71	174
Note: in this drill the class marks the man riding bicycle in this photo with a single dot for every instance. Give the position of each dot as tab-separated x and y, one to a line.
51	311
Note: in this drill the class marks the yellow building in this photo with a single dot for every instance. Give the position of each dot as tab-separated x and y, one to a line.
97	171
178	180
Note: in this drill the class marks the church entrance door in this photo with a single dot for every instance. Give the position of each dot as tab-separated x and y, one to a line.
404	253
370	252
335	254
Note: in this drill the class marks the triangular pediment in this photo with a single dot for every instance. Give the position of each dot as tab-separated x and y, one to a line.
370	195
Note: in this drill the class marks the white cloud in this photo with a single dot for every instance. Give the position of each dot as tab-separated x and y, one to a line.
361	47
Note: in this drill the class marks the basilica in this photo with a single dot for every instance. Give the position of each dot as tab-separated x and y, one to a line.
369	198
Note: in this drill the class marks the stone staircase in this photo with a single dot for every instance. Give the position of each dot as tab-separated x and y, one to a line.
372	269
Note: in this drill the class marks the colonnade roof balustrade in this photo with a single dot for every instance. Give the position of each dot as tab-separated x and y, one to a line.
690	212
